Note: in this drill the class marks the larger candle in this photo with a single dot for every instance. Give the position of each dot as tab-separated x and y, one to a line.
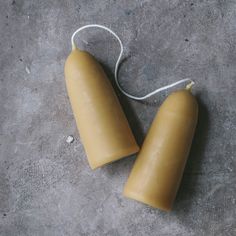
103	127
159	167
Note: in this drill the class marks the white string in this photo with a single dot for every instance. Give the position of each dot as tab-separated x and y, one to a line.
118	63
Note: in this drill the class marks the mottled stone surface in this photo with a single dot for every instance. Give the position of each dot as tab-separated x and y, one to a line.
46	185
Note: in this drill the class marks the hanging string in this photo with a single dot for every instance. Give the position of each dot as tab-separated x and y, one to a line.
118	64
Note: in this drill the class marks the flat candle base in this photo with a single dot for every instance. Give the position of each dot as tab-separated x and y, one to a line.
145	200
117	156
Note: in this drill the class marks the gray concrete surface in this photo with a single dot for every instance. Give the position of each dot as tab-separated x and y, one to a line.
46	186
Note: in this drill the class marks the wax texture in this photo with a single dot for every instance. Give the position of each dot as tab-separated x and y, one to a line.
158	169
103	127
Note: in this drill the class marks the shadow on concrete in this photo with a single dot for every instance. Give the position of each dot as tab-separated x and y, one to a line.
125	102
187	190
124	165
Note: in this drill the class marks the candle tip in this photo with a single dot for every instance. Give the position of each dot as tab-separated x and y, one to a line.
190	85
73	46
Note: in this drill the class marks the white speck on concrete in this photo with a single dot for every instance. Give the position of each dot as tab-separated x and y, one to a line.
70	139
27	70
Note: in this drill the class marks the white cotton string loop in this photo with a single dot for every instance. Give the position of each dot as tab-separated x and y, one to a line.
118	63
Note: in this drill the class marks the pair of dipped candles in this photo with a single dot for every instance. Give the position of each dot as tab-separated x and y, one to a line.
107	137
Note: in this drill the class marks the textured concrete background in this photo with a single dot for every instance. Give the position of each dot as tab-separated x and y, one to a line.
46	185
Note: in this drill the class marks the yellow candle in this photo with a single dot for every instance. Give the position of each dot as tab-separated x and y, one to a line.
103	127
159	167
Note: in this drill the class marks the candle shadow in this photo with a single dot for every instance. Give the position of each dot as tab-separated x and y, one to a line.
193	167
123	166
134	122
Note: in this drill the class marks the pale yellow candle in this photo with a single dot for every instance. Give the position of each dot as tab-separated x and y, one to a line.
157	172
103	127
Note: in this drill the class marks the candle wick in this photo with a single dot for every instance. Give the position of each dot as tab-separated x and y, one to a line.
189	86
